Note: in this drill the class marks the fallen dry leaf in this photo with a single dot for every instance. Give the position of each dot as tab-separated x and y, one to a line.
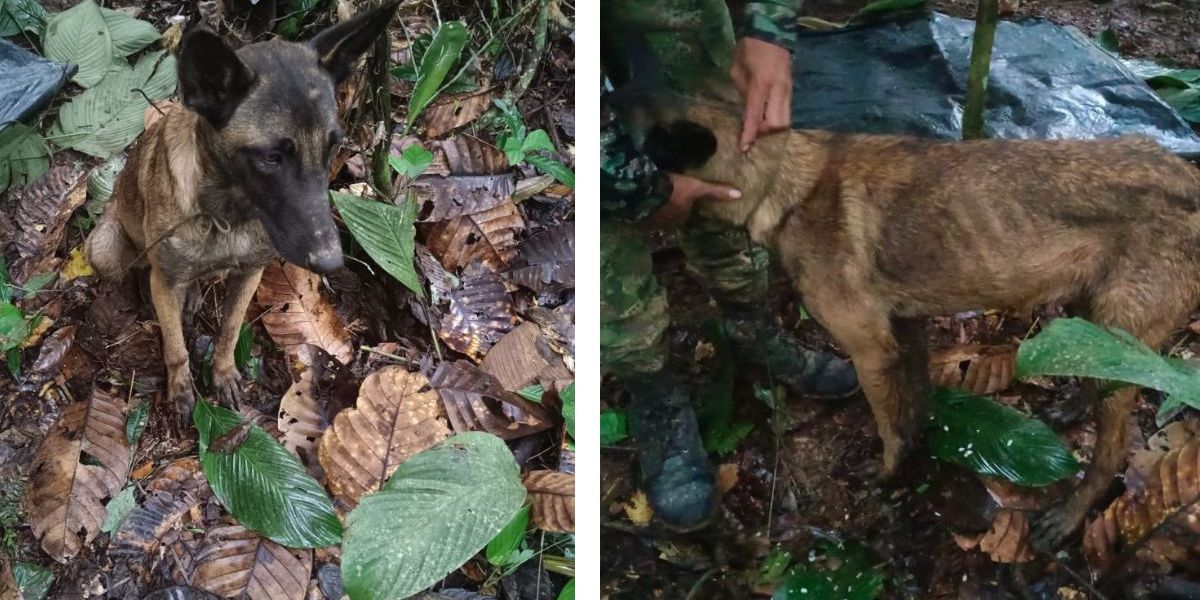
397	416
234	562
302	422
475	401
638	509
450	113
297	313
518	361
546	261
974	368
552	500
43	209
468	155
443	198
77	265
488	236
480	314
727	477
1159	524
171	494
79	466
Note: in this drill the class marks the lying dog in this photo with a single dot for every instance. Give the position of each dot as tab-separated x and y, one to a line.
878	232
230	181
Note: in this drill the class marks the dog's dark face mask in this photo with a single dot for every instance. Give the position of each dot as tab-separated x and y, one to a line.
274	128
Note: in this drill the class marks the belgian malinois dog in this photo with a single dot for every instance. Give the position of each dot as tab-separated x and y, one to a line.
236	177
878	232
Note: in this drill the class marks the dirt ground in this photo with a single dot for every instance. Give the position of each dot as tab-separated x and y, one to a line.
815	480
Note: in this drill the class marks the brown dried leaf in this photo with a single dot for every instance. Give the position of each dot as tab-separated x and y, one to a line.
302	421
79	466
397	416
42	213
1159	524
516	361
445	198
489	236
170	495
467	155
297	313
453	112
1008	539
974	368
235	562
552	500
546	261
440	281
480	314
558	327
475	401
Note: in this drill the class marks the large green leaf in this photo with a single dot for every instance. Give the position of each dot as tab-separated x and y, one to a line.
263	485
21	15
80	36
23	155
103	120
443	52
568	408
994	440
438	509
552	168
1185	101
386	232
845	571
128	34
33	581
614	426
289	28
118	509
1077	348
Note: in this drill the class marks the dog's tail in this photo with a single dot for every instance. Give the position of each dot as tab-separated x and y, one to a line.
110	252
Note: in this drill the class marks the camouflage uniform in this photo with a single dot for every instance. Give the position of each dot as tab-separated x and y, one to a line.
692	40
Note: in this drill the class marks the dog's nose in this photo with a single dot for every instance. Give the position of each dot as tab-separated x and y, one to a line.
325	263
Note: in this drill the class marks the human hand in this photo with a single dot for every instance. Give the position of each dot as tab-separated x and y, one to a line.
762	74
685	191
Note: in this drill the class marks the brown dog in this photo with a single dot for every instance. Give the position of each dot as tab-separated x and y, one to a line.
878	232
230	181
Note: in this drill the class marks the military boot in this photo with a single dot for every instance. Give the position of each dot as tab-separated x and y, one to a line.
760	341
676	474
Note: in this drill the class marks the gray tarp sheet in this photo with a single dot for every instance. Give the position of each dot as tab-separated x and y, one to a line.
27	81
908	75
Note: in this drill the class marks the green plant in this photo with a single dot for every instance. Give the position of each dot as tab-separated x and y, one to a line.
507	549
444	51
520	145
1178	87
836	569
262	484
434	513
386	232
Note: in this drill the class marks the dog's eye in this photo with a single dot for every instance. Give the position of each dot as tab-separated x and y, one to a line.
273	157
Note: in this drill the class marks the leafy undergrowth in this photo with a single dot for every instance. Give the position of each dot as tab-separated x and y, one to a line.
409	419
802	515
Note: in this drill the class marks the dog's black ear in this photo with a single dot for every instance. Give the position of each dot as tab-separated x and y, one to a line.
212	79
680	146
339	47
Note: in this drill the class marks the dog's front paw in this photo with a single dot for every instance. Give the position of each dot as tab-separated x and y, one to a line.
1057	524
181	396
227	383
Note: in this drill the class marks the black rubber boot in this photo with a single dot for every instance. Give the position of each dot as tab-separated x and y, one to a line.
760	341
676	474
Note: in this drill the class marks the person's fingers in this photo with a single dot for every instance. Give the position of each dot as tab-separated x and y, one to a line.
779	109
717	191
756	97
738	74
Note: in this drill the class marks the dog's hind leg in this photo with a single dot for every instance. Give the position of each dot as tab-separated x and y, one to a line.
226	378
1148	304
110	252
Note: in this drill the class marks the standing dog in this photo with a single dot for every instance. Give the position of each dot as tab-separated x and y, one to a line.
878	232
230	181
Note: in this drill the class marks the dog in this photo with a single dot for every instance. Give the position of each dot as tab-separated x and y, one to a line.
879	232
233	179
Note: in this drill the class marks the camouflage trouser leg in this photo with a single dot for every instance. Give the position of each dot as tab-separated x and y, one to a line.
633	307
676	474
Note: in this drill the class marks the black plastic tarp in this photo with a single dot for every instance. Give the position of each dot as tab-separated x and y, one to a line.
908	75
27	81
